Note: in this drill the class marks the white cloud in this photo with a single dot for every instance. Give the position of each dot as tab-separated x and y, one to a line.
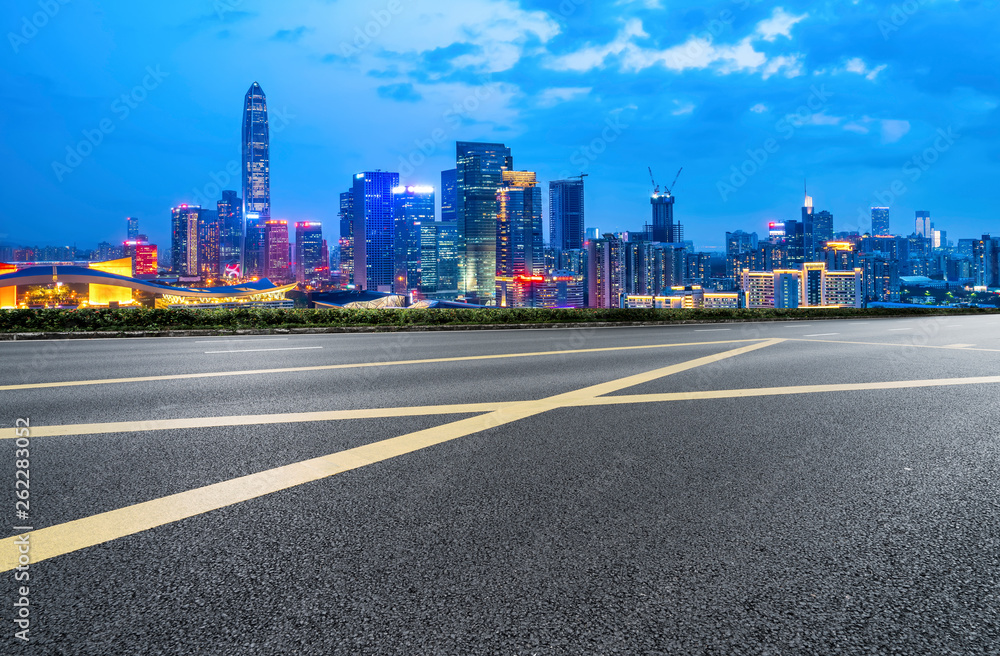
779	24
858	65
555	96
759	108
894	130
682	108
697	52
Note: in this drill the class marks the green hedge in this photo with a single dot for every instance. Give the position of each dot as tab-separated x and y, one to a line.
88	320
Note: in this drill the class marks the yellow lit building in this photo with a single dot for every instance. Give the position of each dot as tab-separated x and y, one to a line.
106	294
811	286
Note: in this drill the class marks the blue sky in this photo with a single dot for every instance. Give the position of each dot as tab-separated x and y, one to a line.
116	108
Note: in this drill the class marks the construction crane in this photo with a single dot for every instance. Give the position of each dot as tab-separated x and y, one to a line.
656	189
670	189
580	177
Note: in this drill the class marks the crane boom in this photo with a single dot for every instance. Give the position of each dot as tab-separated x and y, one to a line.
656	189
670	190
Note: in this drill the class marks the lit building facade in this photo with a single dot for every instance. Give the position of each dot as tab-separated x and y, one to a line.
132	228
230	209
308	250
347	238
209	244
566	214
880	221
605	271
256	154
480	169
559	289
449	195
519	232
374	230
276	247
414	208
683	298
184	239
813	285
145	262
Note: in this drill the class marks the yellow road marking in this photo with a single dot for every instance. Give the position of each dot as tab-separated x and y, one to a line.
90	531
898	344
251	420
358	365
780	391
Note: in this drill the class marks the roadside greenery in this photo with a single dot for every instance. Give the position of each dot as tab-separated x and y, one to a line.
152	320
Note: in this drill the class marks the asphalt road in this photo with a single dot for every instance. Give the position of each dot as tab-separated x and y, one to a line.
828	488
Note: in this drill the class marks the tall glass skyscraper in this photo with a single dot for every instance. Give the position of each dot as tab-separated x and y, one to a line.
480	167
374	230
519	234
566	217
414	207
184	239
133	227
347	238
449	181
256	174
308	249
880	221
230	229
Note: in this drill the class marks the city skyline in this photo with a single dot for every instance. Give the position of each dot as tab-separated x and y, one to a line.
870	109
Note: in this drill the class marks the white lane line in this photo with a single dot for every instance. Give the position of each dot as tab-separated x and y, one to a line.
294	348
241	341
822	335
712	330
959	346
799	326
893	330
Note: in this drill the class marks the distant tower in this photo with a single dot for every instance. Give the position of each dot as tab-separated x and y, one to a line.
880	221
566	215
256	174
133	228
480	174
923	225
374	230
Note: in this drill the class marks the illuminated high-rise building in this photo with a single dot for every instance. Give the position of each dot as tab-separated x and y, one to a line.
346	216
449	198
605	271
308	249
479	175
822	228
413	208
184	239
664	228
448	248
254	242
230	229
208	244
519	234
923	228
133	228
256	176
566	215
276	248
374	230
144	258
880	221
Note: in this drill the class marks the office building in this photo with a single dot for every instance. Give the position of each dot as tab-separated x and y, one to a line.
184	240
256	155
479	175
605	271
413	208
448	255
663	228
230	209
519	246
923	227
346	242
559	289
690	297
276	267
374	230
208	244
811	285
144	258
132	228
308	250
566	214
449	195
822	228
880	221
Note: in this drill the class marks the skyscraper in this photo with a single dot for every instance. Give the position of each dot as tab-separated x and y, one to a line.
663	228
374	230
413	208
347	238
822	228
808	230
449	200
276	249
184	240
923	225
254	255
230	229
208	244
566	215
256	171
880	221
480	167
519	233
133	228
308	249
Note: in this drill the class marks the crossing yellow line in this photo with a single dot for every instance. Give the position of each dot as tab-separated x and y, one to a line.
358	365
252	420
781	391
90	531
